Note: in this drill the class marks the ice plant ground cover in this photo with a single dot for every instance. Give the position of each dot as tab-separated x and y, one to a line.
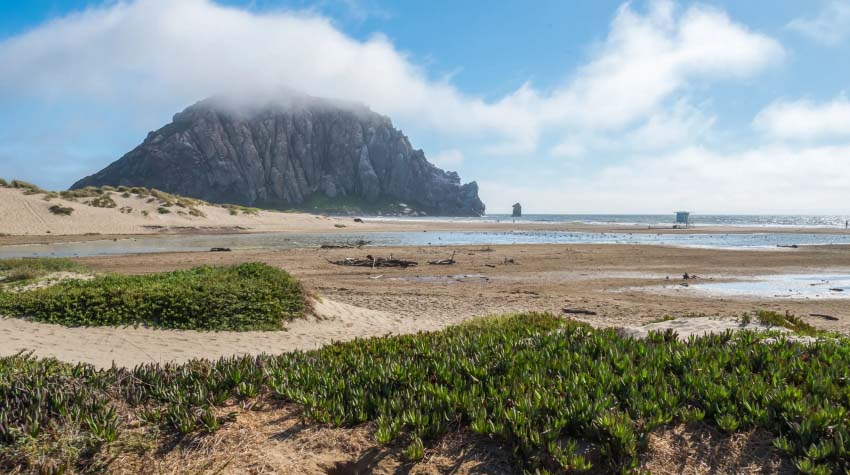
559	393
249	296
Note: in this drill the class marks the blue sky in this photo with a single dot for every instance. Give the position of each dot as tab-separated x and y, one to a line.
585	106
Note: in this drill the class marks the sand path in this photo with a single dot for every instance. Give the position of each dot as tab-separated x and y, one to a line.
128	346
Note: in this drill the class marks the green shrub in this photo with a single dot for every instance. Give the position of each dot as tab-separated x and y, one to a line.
163	210
559	395
103	201
61	210
243	297
791	322
3	182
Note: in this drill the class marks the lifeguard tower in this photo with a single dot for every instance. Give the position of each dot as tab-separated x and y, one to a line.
683	218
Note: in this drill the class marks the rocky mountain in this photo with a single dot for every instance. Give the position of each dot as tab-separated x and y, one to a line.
300	152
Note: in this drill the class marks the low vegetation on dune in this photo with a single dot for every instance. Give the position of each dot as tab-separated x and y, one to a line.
29	188
27	269
101	197
243	297
61	210
561	395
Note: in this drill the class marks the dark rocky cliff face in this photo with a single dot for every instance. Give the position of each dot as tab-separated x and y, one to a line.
285	155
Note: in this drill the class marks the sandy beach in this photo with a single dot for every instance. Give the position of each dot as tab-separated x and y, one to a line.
26	219
622	285
608	284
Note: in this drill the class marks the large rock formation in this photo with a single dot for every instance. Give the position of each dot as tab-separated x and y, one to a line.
287	154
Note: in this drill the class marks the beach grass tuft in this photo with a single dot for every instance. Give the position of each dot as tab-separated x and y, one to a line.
61	210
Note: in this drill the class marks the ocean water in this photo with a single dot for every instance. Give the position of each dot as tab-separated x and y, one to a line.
652	220
766	241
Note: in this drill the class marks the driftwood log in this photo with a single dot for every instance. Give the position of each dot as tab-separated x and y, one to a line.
824	316
578	311
374	262
444	262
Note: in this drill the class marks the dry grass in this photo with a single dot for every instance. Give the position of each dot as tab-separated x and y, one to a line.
273	438
698	449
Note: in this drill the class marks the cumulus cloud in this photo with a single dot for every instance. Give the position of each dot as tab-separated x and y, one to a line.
156	52
830	26
667	127
805	120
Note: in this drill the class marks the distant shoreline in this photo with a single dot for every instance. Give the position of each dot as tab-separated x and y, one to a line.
27	219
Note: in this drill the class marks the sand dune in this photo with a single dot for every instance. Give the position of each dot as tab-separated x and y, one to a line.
22	214
128	346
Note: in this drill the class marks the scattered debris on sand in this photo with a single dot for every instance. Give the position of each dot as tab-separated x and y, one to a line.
373	262
444	262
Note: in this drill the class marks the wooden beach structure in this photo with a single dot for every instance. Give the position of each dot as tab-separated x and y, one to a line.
683	218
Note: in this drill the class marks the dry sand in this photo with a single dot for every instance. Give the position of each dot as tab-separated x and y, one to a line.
130	346
29	215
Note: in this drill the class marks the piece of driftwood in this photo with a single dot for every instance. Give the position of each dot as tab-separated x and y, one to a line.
443	262
836	289
578	311
220	249
373	262
790	246
358	220
825	317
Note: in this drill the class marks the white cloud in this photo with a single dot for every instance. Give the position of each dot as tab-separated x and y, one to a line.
805	120
157	53
667	127
831	26
772	178
447	159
